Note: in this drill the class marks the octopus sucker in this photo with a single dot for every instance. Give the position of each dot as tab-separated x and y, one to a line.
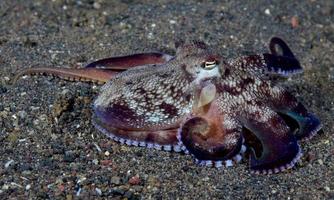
215	109
281	168
206	138
137	143
279	144
221	163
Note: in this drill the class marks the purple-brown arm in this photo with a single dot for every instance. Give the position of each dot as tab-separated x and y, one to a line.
81	74
126	62
283	64
99	71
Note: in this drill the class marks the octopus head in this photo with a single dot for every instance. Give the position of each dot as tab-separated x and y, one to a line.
198	60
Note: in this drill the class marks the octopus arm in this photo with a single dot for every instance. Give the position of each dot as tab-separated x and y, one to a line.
125	62
295	114
99	71
280	149
273	63
281	65
286	51
81	74
165	139
284	63
210	135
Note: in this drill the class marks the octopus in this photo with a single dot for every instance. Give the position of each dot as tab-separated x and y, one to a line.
198	102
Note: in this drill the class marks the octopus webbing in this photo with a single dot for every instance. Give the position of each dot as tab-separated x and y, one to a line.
201	103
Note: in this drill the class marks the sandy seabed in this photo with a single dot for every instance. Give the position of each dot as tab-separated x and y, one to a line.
49	148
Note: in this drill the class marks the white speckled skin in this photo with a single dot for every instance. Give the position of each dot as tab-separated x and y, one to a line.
202	104
149	103
156	97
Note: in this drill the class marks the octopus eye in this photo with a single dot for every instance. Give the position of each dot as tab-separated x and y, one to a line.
208	65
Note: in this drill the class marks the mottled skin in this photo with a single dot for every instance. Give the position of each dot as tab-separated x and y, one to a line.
201	103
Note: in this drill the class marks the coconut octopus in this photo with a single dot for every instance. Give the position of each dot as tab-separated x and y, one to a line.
201	103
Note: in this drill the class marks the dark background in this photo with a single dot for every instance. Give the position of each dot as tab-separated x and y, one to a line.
49	147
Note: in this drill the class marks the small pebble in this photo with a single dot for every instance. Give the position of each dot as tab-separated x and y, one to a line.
81	179
150	35
69	156
5	187
96	5
61	187
97	147
23	140
8	163
28	187
118	191
33	108
78	192
153	182
36	122
15	184
115	180
294	22
310	156
65	91
98	191
4	114
22	114
3	89
135	180
328	189
69	197
105	162
95	161
267	11
128	195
